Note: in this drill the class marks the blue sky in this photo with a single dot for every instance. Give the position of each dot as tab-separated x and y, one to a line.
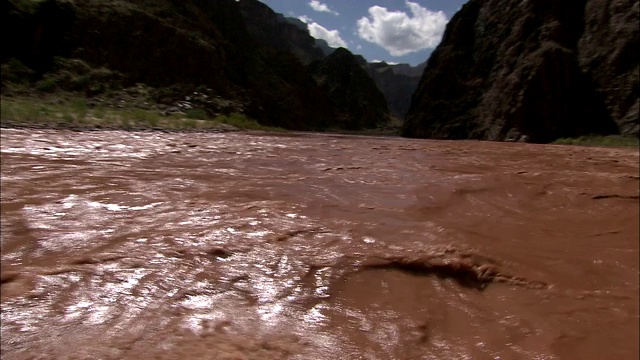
396	31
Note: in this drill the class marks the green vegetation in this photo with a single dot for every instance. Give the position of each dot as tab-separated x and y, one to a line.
75	95
196	113
28	6
47	85
242	122
66	75
77	112
596	140
15	71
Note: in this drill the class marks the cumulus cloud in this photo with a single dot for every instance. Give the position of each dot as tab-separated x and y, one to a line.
400	33
332	37
320	7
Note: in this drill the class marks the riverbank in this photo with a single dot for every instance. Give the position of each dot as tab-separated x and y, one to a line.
69	111
124	111
609	141
66	111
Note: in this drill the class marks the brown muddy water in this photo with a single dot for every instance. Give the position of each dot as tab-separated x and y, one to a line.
120	245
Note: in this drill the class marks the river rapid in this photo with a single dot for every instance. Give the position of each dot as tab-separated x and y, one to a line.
150	245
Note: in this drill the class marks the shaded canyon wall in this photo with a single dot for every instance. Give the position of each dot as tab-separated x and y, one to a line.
534	69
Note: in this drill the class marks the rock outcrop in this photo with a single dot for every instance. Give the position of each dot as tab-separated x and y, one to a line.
535	69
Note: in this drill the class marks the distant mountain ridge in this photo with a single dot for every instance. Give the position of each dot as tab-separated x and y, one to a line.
398	82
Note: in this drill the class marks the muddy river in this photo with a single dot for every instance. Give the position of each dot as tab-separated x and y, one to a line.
122	245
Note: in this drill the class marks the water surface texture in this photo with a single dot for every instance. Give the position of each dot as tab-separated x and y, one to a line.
122	245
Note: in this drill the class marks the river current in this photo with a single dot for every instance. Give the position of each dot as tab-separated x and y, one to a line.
150	245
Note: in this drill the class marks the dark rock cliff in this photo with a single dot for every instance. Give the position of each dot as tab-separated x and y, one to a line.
276	31
609	54
542	69
357	101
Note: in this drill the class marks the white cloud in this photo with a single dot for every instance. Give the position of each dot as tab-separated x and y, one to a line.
330	36
399	33
320	7
305	19
383	61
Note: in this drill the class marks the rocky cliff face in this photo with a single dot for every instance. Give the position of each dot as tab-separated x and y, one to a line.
609	54
278	32
542	69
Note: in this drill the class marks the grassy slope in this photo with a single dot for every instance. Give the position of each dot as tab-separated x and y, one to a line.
611	140
75	112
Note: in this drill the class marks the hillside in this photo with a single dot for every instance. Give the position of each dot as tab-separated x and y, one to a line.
353	94
239	51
